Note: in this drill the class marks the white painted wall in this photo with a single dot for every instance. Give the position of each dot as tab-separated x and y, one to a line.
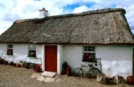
3	50
43	57
116	60
72	54
20	53
59	59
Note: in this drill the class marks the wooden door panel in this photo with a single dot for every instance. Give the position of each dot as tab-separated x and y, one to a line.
51	58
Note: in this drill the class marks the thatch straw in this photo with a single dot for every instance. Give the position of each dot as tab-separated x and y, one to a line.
104	26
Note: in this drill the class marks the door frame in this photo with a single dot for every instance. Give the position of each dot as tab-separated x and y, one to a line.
59	57
45	58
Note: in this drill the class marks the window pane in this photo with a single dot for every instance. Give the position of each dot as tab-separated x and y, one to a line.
10	46
10	51
93	55
85	48
93	48
32	53
89	49
32	47
89	53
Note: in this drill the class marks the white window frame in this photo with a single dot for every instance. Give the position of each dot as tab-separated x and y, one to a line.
87	50
9	49
32	51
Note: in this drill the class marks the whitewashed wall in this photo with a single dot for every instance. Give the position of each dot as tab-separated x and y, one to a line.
59	59
72	54
116	60
20	53
43	57
3	50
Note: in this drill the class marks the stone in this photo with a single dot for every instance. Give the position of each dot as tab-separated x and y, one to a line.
48	74
58	80
101	78
112	81
34	75
49	79
106	80
40	78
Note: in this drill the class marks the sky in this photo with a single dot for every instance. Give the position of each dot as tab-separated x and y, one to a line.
12	10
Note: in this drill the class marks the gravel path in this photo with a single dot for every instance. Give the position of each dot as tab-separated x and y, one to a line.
11	76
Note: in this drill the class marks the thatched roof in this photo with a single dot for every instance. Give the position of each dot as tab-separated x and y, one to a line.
104	26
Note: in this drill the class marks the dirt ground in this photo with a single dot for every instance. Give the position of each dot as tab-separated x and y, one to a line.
11	76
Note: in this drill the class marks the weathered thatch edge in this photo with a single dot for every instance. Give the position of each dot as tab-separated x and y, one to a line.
128	44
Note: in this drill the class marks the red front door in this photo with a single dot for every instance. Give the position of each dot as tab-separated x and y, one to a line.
51	58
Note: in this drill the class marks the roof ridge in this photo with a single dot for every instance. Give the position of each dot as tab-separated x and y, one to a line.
24	20
98	11
105	10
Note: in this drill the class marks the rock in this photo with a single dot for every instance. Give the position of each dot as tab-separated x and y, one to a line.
49	79
58	80
40	78
101	78
34	75
112	81
105	80
48	74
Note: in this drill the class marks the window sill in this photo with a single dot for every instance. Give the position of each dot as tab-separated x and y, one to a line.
91	60
10	54
34	57
31	56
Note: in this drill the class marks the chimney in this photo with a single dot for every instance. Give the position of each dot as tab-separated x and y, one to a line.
43	13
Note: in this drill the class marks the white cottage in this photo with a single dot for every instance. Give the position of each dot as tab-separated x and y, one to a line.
73	38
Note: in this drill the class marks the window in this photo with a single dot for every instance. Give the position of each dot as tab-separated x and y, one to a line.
89	53
9	49
32	51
